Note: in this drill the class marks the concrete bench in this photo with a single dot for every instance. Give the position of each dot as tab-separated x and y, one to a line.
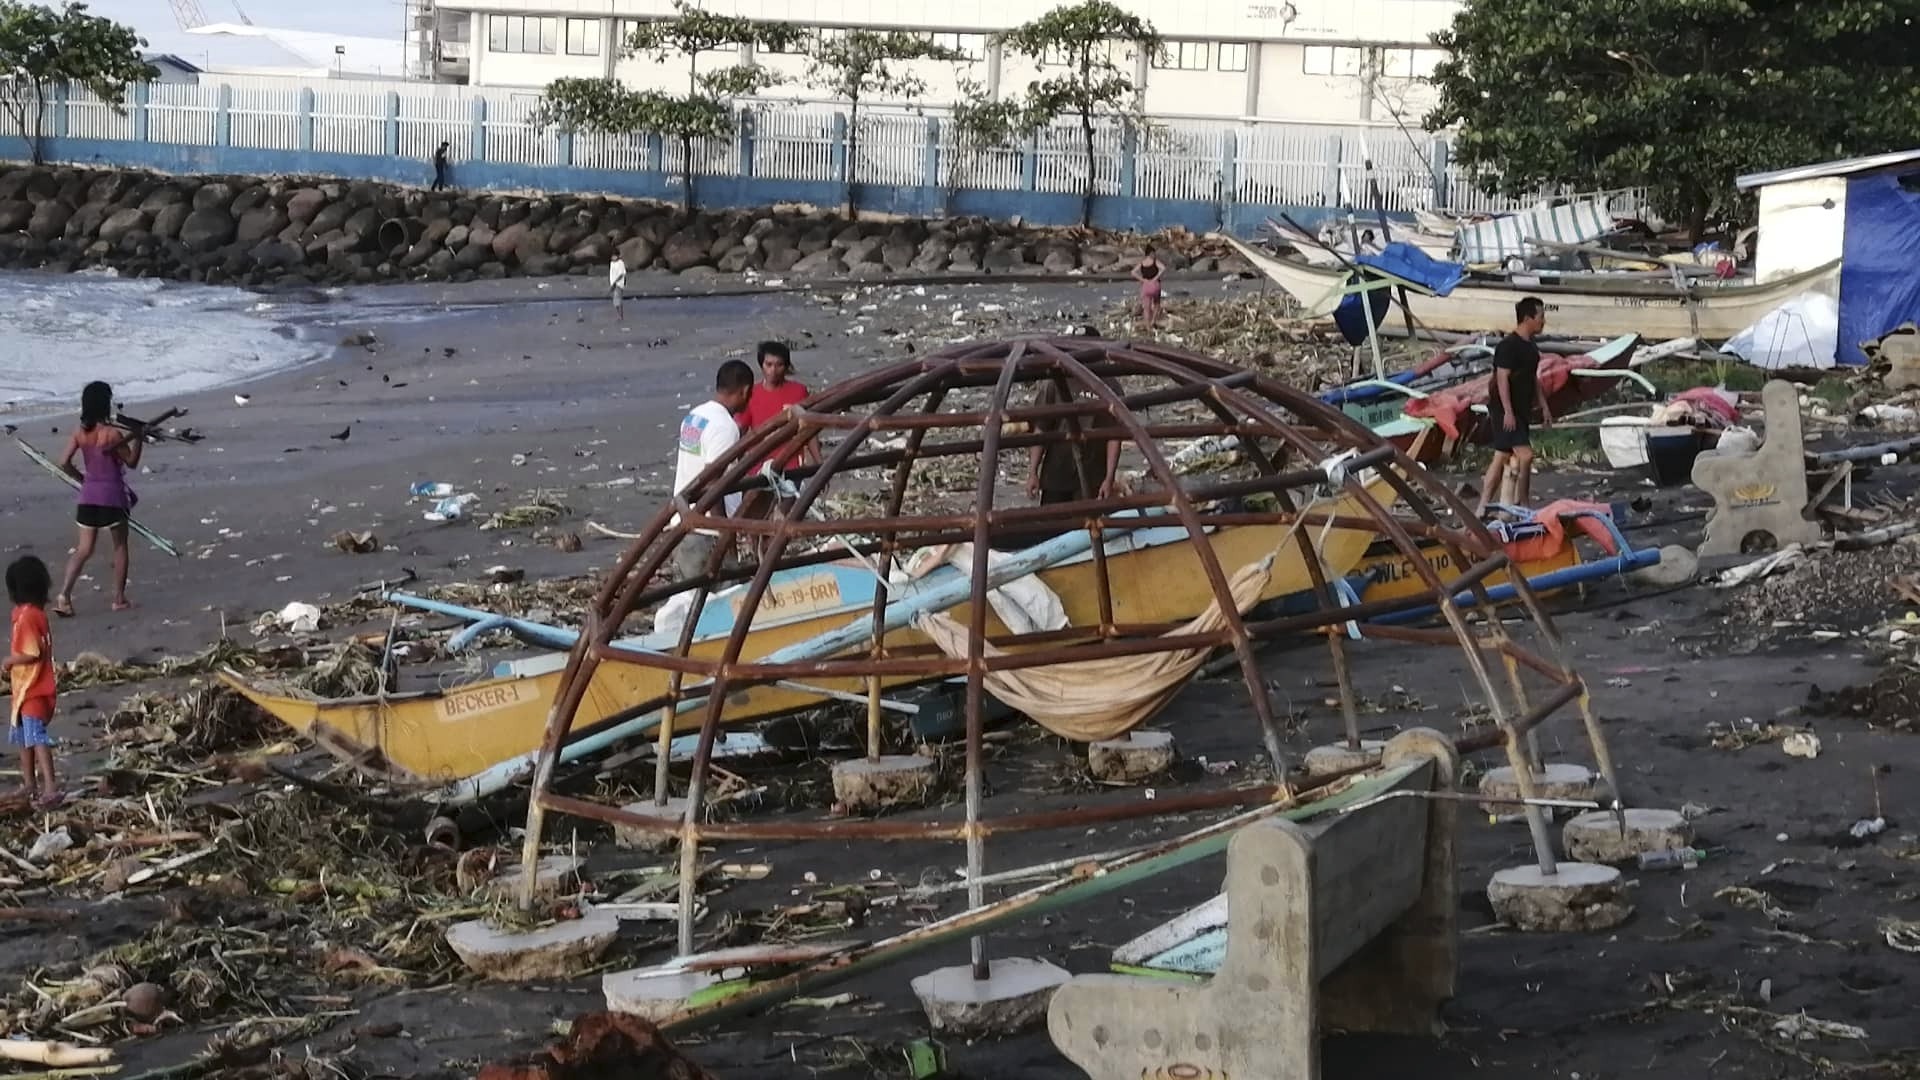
1342	922
1759	495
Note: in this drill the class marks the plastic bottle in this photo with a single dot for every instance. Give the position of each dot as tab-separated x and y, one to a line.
1671	859
432	488
452	508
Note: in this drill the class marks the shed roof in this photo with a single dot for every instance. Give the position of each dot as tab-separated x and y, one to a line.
1831	168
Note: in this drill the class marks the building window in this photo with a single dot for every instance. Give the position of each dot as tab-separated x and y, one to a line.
1409	63
1233	56
523	34
583	37
1182	56
969	46
1055	56
1332	60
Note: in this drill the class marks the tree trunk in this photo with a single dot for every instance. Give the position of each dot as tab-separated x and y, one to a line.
686	174
850	163
37	140
1086	137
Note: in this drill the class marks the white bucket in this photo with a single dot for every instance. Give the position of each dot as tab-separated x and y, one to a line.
1624	440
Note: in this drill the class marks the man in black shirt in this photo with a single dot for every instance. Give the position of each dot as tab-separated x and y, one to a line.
1516	367
440	167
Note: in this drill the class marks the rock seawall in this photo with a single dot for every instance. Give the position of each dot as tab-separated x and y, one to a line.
262	231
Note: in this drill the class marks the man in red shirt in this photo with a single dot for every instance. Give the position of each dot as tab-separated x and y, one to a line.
770	398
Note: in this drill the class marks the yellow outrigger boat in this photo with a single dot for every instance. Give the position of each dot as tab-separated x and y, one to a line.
444	735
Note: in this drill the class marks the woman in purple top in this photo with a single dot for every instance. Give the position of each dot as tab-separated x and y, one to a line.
106	453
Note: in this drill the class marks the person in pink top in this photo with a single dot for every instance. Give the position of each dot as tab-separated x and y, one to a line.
106	453
770	398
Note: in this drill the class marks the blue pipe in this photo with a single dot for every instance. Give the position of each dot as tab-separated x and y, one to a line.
460	641
1572	575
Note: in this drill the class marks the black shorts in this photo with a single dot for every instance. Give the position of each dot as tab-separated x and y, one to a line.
88	516
1521	435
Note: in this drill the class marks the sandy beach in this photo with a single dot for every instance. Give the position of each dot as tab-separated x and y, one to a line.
505	389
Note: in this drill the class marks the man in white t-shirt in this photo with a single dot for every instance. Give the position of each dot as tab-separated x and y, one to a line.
706	434
617	285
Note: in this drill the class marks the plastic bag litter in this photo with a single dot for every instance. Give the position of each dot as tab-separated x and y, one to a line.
300	618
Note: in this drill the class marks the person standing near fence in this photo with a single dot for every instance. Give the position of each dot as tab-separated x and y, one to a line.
440	167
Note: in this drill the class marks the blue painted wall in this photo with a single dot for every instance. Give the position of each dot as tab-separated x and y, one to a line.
926	200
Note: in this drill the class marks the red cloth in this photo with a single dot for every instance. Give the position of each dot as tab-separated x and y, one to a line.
1549	517
766	404
1450	408
1707	399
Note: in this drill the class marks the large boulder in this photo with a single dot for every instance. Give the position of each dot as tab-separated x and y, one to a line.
259	223
108	187
593	249
533	244
637	252
783	260
206	230
18	184
687	248
863	251
849	236
440	265
817	238
436	232
278	254
122	222
85	221
133	241
934	254
213	195
739	258
457	237
246	200
167	222
473	256
824	263
363	223
49	220
898	257
305	204
478	235
14	215
509	239
1059	259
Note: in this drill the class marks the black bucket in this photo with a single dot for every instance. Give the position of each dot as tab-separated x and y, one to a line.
1670	456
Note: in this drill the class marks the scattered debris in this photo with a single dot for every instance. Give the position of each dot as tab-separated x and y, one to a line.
1801	744
356	543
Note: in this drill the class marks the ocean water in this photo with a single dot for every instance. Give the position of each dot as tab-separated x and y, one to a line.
150	339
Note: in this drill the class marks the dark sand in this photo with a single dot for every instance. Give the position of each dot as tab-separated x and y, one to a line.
545	373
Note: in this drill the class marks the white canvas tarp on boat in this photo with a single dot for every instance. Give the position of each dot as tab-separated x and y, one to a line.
1570	223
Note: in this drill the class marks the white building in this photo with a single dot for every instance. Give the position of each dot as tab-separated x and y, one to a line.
1326	60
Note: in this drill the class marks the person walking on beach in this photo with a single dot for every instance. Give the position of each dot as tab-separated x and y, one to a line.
706	434
1516	369
771	396
617	285
440	167
106	453
1147	272
29	669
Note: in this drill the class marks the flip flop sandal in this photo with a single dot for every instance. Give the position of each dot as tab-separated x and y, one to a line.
52	800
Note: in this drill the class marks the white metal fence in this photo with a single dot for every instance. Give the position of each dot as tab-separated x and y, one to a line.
1252	163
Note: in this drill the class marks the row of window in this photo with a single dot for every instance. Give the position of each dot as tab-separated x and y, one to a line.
1349	60
544	34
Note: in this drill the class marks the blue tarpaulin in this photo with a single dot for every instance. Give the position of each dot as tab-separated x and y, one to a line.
1880	271
1410	263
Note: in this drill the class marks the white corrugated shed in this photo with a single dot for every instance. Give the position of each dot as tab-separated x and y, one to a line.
1803	212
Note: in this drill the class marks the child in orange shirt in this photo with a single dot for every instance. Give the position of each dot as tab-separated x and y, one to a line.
29	666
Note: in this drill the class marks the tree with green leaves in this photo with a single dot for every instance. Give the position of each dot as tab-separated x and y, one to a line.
981	125
42	47
862	64
1080	38
705	111
1677	96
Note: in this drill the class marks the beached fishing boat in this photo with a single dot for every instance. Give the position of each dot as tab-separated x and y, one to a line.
1578	304
1408	404
444	735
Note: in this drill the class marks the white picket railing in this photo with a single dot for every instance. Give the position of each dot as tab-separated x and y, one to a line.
1187	159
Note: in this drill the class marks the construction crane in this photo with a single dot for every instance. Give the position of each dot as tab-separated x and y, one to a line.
189	14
